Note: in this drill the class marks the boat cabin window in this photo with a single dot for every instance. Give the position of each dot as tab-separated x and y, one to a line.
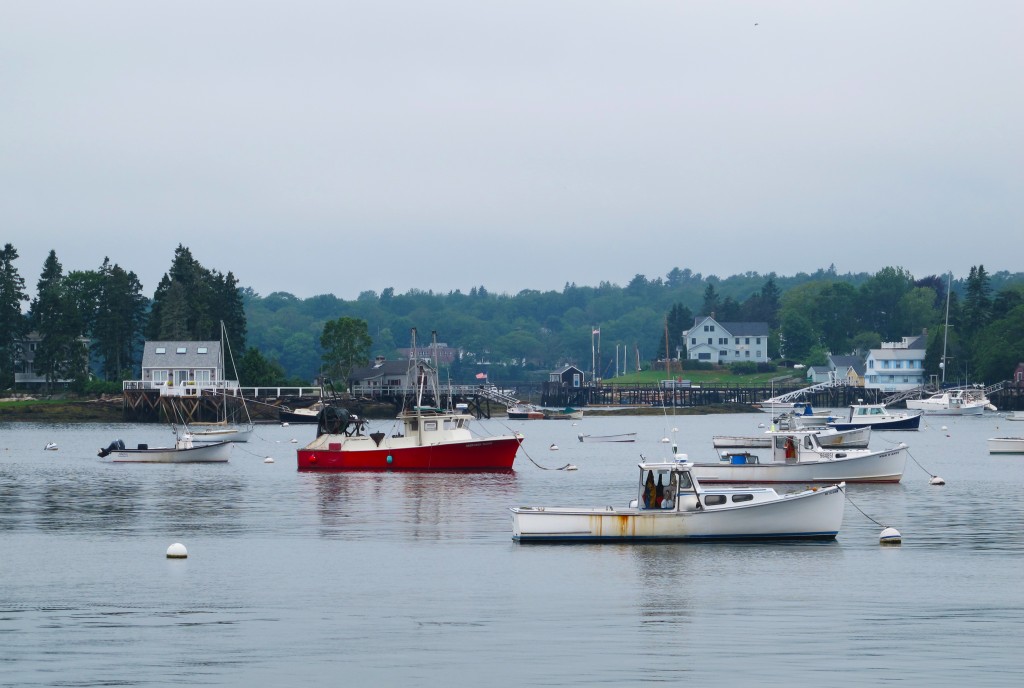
876	411
429	425
658	489
714	500
742	497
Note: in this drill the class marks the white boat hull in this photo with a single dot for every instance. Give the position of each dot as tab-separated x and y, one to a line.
1006	445
217	452
228	434
809	514
831	467
857	438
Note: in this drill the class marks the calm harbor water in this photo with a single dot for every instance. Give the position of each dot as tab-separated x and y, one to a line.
411	579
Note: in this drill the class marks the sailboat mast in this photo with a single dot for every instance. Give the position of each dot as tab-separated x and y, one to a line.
945	330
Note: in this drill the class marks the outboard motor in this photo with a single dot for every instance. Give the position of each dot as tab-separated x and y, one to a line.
116	445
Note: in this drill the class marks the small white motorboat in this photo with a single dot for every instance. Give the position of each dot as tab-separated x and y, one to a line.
952	402
672	505
801	459
621	437
183	451
1006	445
1015	415
51	446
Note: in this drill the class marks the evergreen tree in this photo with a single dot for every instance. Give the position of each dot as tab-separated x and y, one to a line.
61	353
977	302
119	322
710	305
13	324
191	301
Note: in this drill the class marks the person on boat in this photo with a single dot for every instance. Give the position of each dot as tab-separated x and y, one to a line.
668	500
790	447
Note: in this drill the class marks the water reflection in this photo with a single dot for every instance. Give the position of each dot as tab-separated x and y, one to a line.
417	505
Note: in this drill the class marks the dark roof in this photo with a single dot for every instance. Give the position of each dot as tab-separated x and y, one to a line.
737	329
855	362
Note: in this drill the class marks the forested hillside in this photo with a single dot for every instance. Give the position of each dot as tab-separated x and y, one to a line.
511	337
524	335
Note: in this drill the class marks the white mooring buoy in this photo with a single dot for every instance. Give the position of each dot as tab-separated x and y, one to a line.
294	441
284	425
570	467
553	447
269	459
936	480
944	428
890	536
177	551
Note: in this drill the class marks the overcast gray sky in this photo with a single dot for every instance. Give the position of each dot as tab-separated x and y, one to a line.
325	146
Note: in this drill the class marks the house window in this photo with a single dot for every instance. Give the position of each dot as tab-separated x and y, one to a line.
32	346
723	340
748	353
180	350
748	341
704	357
738	340
160	376
871	364
202	350
723	354
707	328
202	377
712	328
161	350
709	340
575	379
693	341
758	340
759	353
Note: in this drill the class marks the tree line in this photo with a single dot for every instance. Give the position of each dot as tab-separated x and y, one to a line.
289	340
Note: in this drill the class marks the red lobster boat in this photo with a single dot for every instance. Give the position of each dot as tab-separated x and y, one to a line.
431	439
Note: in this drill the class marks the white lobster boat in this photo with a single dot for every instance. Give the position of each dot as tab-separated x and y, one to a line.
953	402
671	504
802	459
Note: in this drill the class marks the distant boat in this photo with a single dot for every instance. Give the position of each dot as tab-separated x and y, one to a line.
565	414
1006	445
878	417
222	430
525	412
51	446
952	402
621	437
797	459
300	415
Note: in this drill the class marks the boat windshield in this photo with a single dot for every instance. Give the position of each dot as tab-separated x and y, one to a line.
658	488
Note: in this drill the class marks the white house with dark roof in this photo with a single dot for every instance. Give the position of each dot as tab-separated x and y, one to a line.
897	366
726	342
183	368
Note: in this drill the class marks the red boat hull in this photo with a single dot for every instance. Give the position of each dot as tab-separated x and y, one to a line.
474	455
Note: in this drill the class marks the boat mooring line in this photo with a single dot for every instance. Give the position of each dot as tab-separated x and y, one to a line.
527	454
930	474
854	504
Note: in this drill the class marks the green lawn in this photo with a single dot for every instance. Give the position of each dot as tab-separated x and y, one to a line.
710	377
